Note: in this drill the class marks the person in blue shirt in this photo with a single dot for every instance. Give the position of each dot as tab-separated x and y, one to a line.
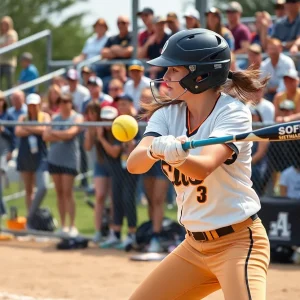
29	71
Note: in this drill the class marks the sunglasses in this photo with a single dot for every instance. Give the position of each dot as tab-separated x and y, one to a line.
114	88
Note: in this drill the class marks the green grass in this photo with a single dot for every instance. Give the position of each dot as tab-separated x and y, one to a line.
84	214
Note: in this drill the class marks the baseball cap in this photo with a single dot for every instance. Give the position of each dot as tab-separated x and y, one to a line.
146	11
287	105
255	48
101	22
27	56
72	74
136	65
94	80
213	10
291	73
234	7
108	113
159	19
124	97
33	99
192	13
86	69
171	16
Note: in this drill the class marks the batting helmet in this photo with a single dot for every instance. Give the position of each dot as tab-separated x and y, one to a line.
204	53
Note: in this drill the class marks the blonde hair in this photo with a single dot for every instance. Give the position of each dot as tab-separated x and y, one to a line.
10	23
56	88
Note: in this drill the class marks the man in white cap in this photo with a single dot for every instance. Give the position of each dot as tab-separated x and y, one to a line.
78	91
240	32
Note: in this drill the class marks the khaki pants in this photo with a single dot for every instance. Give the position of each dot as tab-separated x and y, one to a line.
237	263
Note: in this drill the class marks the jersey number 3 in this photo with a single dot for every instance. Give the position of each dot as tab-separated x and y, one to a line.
202	193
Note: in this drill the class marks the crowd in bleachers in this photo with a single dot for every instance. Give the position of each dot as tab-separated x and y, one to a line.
101	92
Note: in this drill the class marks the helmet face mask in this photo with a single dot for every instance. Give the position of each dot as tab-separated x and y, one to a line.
204	53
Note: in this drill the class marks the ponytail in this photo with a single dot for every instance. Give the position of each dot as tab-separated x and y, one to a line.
246	85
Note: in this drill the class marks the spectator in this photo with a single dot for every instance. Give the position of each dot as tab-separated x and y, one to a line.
254	56
117	71
32	155
63	160
125	184
86	73
137	83
290	182
95	85
259	159
106	168
59	80
287	29
29	71
153	46
94	45
115	89
79	92
192	18
265	109
279	8
18	106
275	65
147	17
120	45
214	23
263	24
173	22
102	175
287	103
8	61
155	186
7	138
52	106
240	32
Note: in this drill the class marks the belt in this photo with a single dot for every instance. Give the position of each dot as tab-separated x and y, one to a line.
215	234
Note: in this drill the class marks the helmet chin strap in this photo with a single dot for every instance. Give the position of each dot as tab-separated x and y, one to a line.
157	100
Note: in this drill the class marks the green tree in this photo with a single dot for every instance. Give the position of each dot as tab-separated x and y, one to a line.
250	7
32	16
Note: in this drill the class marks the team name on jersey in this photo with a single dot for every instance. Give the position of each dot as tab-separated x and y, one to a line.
177	178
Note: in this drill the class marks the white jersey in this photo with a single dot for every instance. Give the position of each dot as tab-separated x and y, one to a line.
225	197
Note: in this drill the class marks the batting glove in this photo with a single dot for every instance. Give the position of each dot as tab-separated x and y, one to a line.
156	150
174	154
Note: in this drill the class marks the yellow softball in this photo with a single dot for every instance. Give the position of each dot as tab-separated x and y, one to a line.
125	128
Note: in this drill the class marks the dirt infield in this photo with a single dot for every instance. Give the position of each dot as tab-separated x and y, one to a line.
39	271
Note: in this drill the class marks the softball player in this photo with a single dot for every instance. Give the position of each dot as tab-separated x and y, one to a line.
226	245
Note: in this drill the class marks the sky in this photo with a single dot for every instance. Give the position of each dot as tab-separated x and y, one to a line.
111	9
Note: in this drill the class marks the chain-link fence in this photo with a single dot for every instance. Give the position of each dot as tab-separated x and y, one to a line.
88	191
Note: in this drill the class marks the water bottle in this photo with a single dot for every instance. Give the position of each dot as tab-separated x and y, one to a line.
33	144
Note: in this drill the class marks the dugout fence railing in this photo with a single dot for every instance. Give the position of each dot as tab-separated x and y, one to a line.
266	177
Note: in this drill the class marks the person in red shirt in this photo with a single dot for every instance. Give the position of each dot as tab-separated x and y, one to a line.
147	17
240	32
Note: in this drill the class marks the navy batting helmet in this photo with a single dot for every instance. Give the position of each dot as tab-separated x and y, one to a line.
204	53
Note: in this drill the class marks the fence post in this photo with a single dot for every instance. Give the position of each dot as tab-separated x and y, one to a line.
48	52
